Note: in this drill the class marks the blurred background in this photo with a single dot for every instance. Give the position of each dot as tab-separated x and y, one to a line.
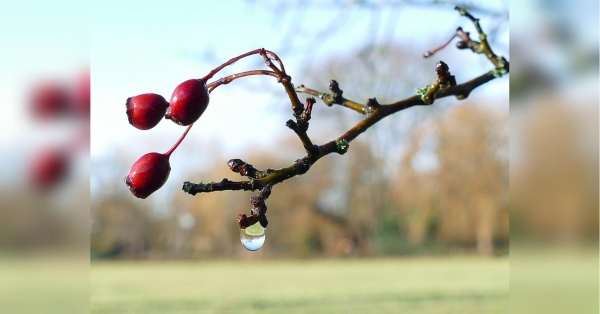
554	157
44	153
414	218
427	186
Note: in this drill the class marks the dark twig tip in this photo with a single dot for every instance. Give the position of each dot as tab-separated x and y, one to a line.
235	164
291	124
264	222
188	187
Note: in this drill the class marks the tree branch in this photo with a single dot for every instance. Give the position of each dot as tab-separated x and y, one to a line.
263	180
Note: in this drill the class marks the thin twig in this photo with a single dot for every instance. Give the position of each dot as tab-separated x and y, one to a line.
444	86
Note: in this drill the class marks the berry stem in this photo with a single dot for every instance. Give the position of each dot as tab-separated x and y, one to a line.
230	78
431	52
168	153
230	62
276	57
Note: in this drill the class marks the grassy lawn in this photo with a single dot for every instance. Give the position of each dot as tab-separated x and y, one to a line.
413	285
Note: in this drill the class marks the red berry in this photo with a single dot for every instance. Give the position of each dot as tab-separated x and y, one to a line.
148	174
145	111
188	102
49	168
49	99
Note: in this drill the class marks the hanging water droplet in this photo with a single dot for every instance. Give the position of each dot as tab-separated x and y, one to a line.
253	237
369	111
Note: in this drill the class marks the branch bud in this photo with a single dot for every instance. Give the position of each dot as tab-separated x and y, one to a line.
462	45
235	164
291	124
444	76
341	146
242	167
335	87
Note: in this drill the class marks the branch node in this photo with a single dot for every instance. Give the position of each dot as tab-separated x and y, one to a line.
306	114
341	146
426	92
462	45
265	192
235	164
291	124
334	87
188	187
258	211
444	76
373	103
243	168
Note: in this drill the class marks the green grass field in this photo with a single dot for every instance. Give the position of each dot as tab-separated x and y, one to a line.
412	285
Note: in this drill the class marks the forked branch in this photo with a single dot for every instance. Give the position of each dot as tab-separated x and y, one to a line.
444	85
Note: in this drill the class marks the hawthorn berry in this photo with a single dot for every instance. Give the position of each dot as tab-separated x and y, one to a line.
148	174
188	102
146	110
48	168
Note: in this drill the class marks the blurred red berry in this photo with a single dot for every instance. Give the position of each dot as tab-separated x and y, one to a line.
48	168
148	174
188	102
146	111
49	99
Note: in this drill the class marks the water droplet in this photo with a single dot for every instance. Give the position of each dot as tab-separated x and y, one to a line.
253	237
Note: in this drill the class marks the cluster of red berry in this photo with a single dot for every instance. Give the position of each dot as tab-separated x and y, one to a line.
51	101
188	101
